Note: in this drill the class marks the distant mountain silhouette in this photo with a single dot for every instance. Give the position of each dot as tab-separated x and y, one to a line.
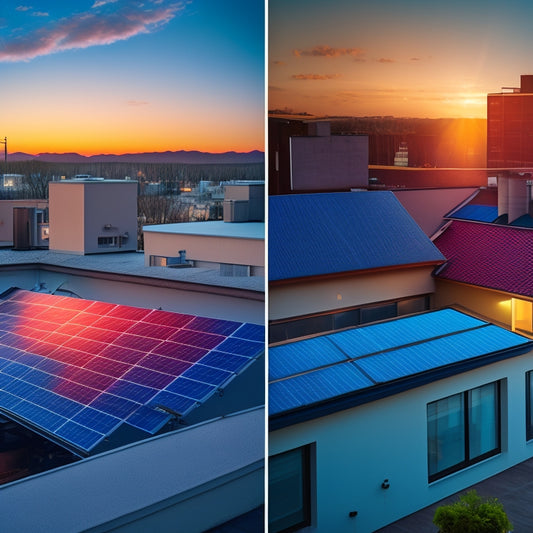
182	156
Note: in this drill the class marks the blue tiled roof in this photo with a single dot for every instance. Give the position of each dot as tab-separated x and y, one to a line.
344	369
476	213
330	233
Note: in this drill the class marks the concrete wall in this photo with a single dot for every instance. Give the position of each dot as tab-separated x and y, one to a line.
321	295
235	251
189	480
67	217
428	206
329	162
357	449
82	211
492	305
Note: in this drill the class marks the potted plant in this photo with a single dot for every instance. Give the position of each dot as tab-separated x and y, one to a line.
472	514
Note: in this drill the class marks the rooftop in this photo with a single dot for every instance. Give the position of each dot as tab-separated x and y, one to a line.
212	228
128	264
487	255
332	233
321	375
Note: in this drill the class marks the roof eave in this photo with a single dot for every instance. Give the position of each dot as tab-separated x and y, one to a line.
351	273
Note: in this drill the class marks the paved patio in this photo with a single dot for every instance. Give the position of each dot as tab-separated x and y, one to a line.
513	488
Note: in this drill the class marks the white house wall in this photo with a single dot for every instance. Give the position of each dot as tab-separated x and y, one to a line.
357	449
316	296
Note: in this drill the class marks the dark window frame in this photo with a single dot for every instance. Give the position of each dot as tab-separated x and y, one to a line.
529	407
306	490
466	414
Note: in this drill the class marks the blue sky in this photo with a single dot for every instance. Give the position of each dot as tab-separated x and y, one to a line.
116	76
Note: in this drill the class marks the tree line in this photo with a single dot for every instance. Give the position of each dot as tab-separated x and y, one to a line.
37	174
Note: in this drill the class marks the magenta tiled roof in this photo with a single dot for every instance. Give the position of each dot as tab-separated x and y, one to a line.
496	257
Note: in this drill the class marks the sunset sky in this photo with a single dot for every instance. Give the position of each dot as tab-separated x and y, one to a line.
384	57
120	76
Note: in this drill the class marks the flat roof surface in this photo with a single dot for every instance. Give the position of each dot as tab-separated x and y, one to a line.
212	228
129	264
374	361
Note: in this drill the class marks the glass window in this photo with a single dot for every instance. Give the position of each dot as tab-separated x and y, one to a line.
463	429
289	491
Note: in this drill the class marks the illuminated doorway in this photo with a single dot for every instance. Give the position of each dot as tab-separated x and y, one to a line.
522	316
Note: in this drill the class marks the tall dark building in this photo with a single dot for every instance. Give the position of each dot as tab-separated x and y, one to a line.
510	126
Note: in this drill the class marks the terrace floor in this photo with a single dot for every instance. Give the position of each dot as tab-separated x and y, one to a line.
513	488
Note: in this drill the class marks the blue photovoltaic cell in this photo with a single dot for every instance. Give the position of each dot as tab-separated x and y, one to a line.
191	389
241	347
293	358
77	369
175	402
252	332
114	405
310	388
208	374
132	391
212	325
224	361
82	436
148	419
97	420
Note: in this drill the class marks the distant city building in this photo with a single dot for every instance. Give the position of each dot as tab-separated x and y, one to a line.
510	126
13	181
305	157
401	157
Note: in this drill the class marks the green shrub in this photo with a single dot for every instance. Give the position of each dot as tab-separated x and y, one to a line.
472	514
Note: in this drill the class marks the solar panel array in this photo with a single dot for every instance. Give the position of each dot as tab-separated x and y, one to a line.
79	369
312	370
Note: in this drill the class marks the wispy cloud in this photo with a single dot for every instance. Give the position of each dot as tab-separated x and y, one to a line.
40	14
315	76
91	28
137	103
329	51
279	63
385	60
23	8
100	3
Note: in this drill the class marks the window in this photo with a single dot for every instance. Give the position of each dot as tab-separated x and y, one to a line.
107	242
529	405
343	318
289	492
463	429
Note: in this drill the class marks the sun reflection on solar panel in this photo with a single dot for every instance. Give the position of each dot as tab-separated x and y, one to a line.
79	369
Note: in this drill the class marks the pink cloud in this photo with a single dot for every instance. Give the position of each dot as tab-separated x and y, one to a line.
385	60
83	30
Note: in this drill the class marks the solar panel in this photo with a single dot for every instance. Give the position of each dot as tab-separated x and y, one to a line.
76	370
311	370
